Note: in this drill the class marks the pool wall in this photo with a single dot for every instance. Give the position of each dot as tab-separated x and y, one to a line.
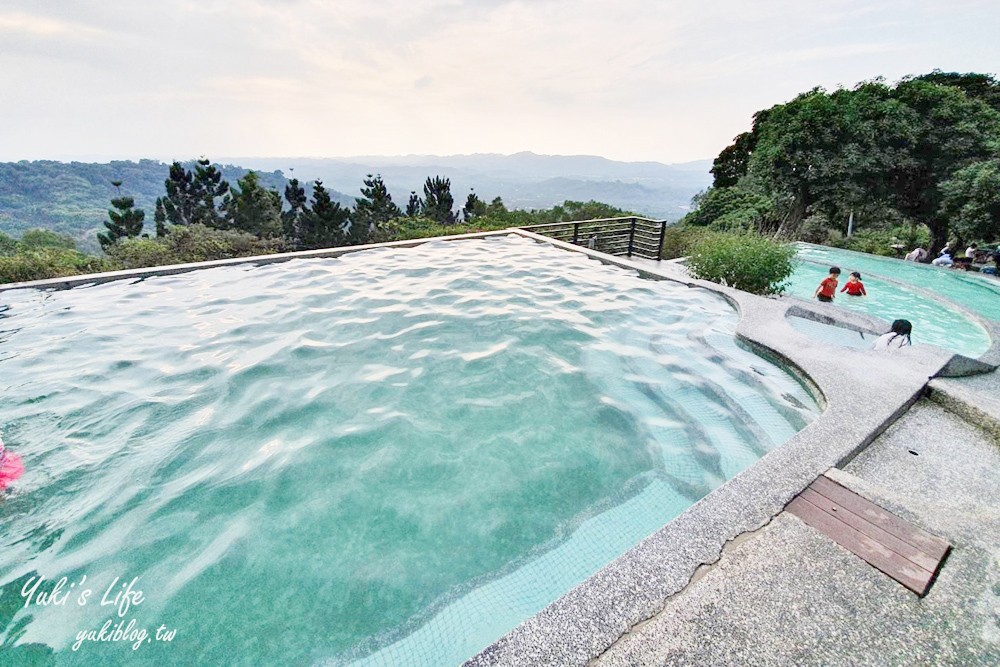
862	391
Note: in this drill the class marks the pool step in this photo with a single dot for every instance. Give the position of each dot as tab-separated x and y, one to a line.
903	551
974	400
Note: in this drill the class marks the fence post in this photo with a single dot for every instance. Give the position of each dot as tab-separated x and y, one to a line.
576	232
663	234
631	237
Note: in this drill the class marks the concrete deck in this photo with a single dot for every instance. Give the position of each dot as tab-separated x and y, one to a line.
787	595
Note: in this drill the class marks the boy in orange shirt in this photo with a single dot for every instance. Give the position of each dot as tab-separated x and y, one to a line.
828	286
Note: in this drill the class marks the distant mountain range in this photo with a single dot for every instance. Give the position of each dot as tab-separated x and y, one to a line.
523	180
73	198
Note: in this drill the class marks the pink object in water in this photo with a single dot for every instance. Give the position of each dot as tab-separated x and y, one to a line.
10	469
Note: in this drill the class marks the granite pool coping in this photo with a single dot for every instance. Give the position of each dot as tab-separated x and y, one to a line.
861	392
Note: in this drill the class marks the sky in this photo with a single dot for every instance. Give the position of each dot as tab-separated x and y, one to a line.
633	80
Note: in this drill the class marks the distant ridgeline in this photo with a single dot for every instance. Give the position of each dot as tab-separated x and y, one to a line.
73	198
913	163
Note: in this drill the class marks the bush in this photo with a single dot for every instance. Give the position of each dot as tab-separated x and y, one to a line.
747	262
48	262
196	243
679	239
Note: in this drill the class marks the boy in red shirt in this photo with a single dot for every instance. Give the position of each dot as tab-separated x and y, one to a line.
828	286
854	286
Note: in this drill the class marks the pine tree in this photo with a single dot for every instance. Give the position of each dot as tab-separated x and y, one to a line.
160	218
181	201
474	207
295	195
323	225
125	221
254	209
438	201
372	211
414	206
211	194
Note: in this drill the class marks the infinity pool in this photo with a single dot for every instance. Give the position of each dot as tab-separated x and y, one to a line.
934	322
389	458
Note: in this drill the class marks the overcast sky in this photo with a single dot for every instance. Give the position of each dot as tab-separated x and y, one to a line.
659	80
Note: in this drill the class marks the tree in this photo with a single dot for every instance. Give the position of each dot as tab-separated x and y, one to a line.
950	132
125	221
474	207
438	202
295	195
971	201
322	226
160	218
210	193
255	209
372	210
181	200
414	205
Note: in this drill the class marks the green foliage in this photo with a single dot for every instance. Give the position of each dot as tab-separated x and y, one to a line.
414	205
124	220
255	209
891	156
748	262
371	211
323	225
680	238
291	219
438	201
194	243
48	262
474	207
46	238
971	200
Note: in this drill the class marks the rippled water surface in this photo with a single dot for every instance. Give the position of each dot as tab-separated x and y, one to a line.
934	322
391	458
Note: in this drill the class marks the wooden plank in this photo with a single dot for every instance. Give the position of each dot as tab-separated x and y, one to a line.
931	545
859	523
888	561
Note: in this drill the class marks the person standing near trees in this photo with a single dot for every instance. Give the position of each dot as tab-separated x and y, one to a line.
827	289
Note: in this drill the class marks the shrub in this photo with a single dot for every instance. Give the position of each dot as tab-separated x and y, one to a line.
747	262
679	239
49	262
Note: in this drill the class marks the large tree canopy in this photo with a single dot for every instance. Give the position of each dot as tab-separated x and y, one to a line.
879	153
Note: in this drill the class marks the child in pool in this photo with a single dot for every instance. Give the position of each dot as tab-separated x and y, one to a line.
828	286
896	338
854	286
10	467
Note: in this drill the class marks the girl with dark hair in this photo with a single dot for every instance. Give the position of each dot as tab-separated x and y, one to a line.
898	337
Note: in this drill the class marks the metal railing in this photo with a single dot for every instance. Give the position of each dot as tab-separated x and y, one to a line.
626	236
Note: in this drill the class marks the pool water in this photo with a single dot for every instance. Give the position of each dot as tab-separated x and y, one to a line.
390	458
934	322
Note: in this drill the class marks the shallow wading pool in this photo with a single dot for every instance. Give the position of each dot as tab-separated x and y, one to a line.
934	322
390	458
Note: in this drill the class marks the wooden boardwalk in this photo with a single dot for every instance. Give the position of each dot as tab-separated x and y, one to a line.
905	552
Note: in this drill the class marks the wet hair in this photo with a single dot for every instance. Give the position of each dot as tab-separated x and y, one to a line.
856	275
835	269
901	328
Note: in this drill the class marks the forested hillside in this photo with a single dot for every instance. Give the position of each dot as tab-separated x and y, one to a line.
73	198
918	159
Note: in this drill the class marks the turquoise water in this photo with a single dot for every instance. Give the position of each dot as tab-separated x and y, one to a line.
934	322
389	458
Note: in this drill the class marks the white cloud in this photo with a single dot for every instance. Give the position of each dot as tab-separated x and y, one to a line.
630	79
